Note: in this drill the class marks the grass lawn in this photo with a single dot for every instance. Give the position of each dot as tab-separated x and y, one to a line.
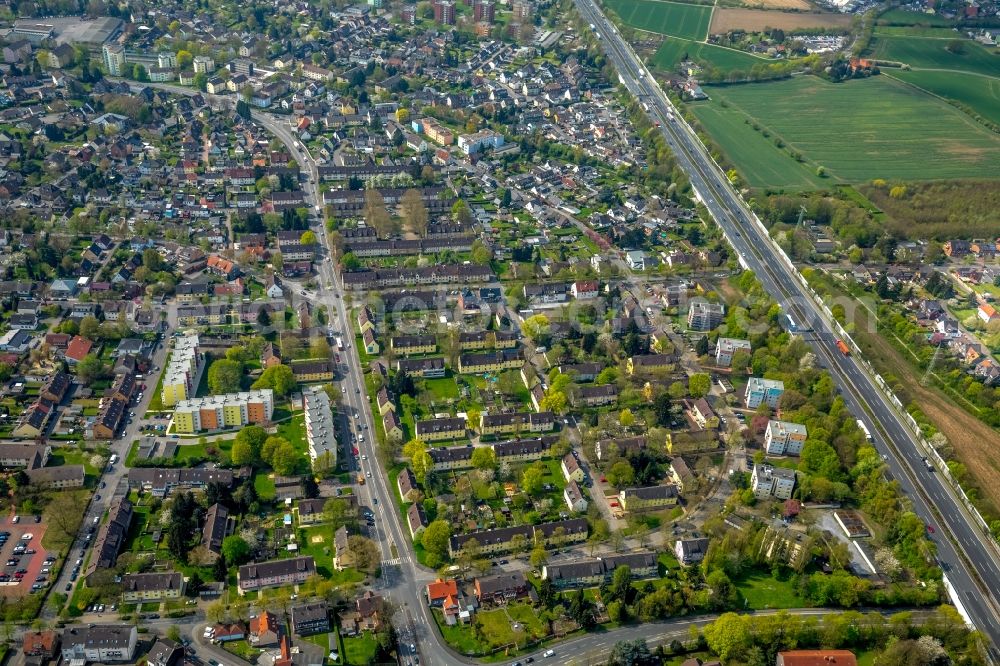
903	17
667	18
498	625
979	93
264	485
460	636
761	591
242	650
857	130
673	49
931	53
359	650
443	388
294	430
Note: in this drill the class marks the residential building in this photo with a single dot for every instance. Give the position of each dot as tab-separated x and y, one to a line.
30	456
496	361
182	371
152	586
522	450
41	644
502	588
782	438
768	481
582	372
217	412
452	457
311	618
391	425
312	370
415	519
433	430
763	391
648	363
440	590
264	631
274	573
571	468
217	527
591	572
114	59
413	344
573	530
310	511
594	395
649	498
496	424
726	347
428	368
574	497
320	432
690	551
161	481
165	652
63	476
704	316
681	475
100	643
407	484
110	537
343	557
203	64
606	449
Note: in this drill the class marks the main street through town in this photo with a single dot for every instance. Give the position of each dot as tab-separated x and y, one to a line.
966	552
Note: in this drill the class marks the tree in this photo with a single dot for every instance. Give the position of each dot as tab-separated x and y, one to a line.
364	552
484	457
89	327
308	237
480	253
626	418
435	539
335	511
235	550
535	326
621	474
539	556
242	454
251	439
729	636
224	376
531	479
285	459
699	384
631	653
376	215
152	260
90	368
701	348
278	378
414	211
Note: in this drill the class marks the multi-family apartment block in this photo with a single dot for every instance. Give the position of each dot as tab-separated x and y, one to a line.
232	410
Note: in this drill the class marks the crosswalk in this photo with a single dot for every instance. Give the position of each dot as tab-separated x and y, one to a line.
394	562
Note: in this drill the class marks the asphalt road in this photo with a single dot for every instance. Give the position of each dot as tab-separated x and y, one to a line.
967	555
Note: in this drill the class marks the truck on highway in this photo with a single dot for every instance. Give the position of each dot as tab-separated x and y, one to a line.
361	478
597	34
864	429
340	344
844	349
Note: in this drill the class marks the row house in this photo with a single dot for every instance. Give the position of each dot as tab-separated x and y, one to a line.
498	361
137	588
161	481
432	430
593	572
451	458
398	277
276	573
427	368
594	396
649	498
413	344
556	533
473	340
496	424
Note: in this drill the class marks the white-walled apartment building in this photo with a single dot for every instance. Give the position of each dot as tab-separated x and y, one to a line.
784	438
216	412
769	481
319	426
181	374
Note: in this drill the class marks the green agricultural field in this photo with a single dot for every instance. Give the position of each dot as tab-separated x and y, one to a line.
932	53
918	31
673	50
858	130
667	18
979	93
903	17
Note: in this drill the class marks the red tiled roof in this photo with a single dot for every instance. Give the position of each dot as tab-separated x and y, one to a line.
78	348
441	589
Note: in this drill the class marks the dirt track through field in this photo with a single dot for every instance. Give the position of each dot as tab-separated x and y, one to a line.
725	19
778	4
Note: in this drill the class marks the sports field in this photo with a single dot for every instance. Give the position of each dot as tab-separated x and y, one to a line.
673	50
858	130
667	18
931	53
980	93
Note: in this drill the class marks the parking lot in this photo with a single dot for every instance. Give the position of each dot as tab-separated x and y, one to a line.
22	557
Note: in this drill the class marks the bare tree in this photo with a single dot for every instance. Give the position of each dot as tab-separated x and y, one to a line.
415	216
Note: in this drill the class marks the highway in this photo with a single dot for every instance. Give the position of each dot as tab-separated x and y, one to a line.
967	555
